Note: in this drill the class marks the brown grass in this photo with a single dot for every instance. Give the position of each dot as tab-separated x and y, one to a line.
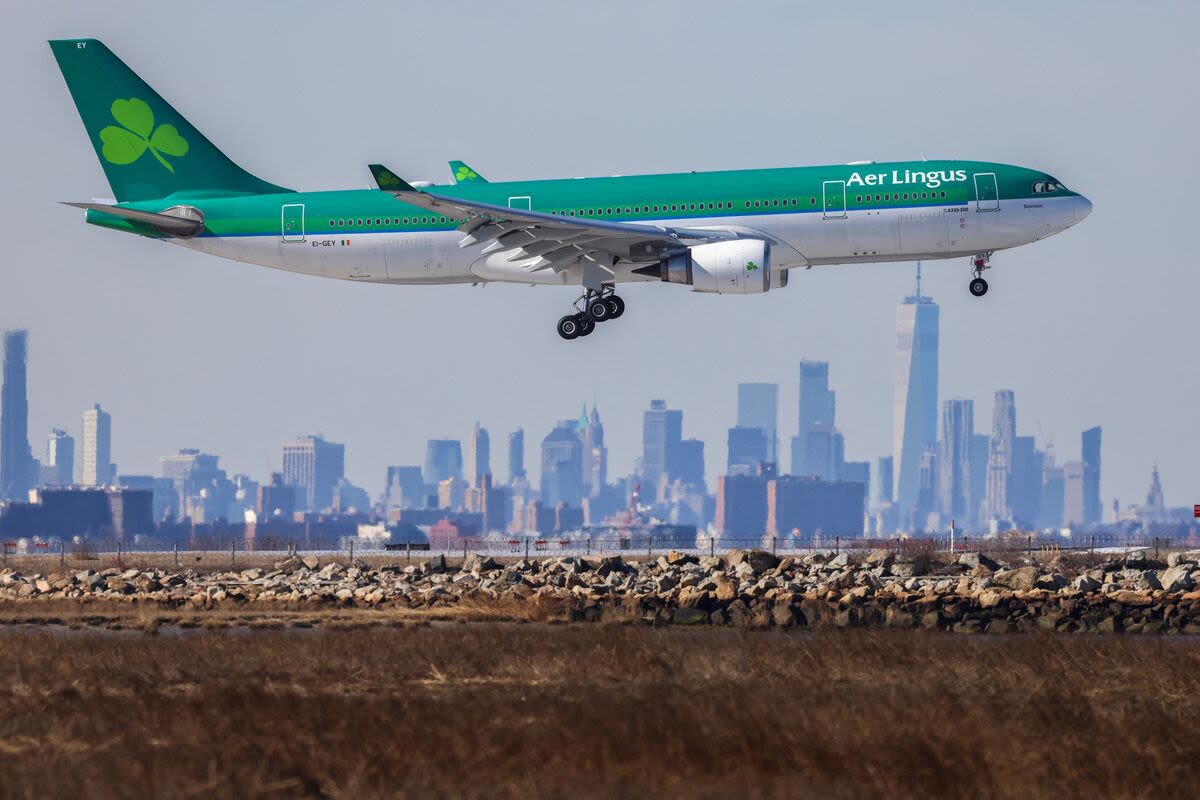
480	710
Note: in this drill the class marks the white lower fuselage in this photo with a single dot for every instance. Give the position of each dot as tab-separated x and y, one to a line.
799	239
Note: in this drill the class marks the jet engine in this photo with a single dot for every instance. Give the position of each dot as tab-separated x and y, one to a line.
740	266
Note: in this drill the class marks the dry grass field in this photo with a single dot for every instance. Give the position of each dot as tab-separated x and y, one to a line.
508	710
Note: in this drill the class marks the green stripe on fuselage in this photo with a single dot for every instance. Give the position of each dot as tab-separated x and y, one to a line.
734	193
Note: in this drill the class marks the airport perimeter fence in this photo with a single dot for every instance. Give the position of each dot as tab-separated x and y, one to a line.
232	552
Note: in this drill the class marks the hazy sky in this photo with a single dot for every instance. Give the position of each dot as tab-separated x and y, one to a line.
1094	326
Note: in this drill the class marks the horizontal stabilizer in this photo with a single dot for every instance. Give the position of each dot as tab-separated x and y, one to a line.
171	224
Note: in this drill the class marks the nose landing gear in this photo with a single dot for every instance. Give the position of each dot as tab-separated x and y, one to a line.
592	307
979	263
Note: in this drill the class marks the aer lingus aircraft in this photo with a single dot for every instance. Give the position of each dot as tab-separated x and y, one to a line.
734	232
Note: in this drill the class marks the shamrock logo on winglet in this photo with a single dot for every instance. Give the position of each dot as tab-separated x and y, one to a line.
137	134
465	173
751	266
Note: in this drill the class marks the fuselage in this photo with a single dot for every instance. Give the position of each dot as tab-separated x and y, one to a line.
841	214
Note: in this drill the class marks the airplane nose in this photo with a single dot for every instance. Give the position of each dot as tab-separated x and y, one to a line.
1083	207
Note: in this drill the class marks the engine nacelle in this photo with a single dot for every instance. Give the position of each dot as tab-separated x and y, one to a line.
739	266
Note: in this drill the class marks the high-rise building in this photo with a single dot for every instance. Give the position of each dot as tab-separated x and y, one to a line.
590	431
1155	508
885	486
979	471
741	510
98	469
18	470
997	502
914	420
405	488
806	505
1073	491
1050	515
1093	509
59	467
275	500
479	455
954	482
747	449
516	455
662	431
817	408
758	407
690	467
314	466
443	459
562	466
1025	495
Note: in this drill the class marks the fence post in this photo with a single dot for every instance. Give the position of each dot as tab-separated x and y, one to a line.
712	543
1093	551
118	553
62	554
526	548
589	546
837	545
464	550
232	552
649	545
773	543
1156	548
351	549
1029	546
176	549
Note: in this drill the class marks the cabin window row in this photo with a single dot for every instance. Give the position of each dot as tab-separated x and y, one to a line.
382	221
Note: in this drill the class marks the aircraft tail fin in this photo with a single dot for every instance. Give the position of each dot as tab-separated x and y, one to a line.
147	149
461	173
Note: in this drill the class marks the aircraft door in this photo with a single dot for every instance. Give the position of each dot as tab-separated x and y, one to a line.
292	216
987	195
834	194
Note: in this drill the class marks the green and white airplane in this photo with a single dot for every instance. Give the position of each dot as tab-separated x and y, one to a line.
733	232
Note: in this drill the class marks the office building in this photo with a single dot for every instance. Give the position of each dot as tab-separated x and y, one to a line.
479	455
87	512
914	420
817	409
997	503
980	443
1093	509
562	466
758	407
97	469
884	483
314	466
18	470
1025	496
204	492
275	500
1073	494
590	432
747	448
405	488
741	511
805	506
662	432
954	464
516	455
59	467
443	459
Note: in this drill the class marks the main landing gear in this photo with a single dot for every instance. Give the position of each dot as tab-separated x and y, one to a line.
591	308
979	263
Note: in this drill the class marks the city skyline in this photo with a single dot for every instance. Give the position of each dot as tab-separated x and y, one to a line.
269	355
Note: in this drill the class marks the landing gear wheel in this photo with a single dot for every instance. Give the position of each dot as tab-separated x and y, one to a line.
616	306
586	324
568	327
598	310
979	287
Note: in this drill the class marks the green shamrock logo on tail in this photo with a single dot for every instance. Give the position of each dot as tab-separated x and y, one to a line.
137	134
751	266
465	173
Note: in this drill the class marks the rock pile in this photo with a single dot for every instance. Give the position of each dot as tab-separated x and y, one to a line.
972	593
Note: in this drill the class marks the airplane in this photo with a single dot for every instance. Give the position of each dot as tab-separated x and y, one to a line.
729	232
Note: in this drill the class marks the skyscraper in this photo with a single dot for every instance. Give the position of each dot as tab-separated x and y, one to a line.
1073	512
1093	509
914	420
562	466
590	431
758	407
59	467
747	449
18	471
315	466
662	431
516	455
998	503
98	469
817	409
954	482
443	459
479	455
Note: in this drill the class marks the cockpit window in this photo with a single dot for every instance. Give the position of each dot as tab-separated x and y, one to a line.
1041	187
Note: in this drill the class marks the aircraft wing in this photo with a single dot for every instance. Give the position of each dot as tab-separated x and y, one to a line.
550	241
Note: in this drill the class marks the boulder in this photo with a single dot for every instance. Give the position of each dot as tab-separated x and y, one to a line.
1177	579
1148	580
726	589
973	560
1051	583
1189	557
1020	579
1086	584
679	558
759	560
611	564
1129	597
310	562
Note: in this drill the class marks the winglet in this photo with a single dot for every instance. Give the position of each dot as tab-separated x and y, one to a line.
387	180
461	173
